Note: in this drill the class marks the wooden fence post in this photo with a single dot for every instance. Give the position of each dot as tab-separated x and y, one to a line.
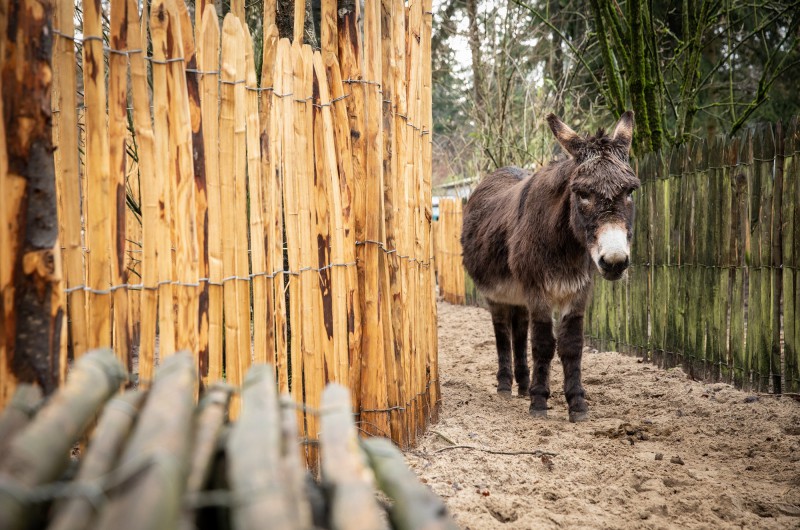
373	364
208	44
65	127
99	197
32	318
118	138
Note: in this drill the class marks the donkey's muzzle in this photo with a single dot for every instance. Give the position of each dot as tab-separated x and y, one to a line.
612	270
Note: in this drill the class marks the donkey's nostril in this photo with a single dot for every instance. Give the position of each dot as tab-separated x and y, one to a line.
614	267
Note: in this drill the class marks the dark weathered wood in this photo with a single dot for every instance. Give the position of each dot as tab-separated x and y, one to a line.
791	256
18	413
344	470
40	453
776	235
254	455
155	461
415	505
34	319
739	245
759	329
108	439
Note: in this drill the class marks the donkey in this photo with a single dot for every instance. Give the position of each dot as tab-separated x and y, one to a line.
531	242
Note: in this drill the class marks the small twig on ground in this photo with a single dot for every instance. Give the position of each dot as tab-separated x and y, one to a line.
443	437
495	451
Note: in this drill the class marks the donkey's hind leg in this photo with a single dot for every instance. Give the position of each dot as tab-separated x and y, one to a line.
519	337
501	320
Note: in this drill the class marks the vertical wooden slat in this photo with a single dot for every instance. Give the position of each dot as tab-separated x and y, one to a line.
327	348
392	277
412	192
193	78
208	63
67	173
728	270
272	192
776	261
737	250
30	269
313	356
99	199
241	249
373	364
284	118
328	29
350	51
759	337
269	14
143	128
231	49
9	205
791	256
299	21
263	346
184	216
344	163
330	182
117	130
431	370
237	8
160	73
401	203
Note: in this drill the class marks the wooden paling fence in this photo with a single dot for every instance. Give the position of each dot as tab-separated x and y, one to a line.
714	283
449	267
184	466
280	217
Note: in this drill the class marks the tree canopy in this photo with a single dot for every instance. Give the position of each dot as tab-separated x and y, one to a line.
688	69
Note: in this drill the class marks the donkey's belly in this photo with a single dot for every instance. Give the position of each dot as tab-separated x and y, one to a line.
505	292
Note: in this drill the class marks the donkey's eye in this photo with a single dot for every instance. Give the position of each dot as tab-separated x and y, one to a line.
629	197
583	197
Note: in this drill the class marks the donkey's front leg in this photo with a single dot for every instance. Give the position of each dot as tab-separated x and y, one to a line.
542	345
501	320
570	349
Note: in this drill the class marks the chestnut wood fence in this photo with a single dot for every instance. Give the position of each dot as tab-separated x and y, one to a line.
280	217
447	249
714	283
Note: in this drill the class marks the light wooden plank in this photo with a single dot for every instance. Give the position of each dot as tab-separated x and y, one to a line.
208	44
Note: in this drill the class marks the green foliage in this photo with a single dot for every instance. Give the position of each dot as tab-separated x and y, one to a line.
688	70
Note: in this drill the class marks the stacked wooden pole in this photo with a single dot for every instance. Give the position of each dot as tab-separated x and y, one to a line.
155	460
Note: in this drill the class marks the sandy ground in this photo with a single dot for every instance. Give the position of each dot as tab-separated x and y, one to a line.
660	450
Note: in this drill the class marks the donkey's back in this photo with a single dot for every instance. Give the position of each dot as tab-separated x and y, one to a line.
488	221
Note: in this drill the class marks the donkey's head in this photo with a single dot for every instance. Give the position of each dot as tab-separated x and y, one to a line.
601	184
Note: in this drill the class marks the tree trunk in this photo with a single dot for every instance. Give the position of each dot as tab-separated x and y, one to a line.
643	139
479	83
37	317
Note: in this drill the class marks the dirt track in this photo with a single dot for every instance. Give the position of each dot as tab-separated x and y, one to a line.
728	459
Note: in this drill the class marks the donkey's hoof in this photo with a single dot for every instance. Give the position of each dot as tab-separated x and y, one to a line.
538	413
575	417
506	394
523	393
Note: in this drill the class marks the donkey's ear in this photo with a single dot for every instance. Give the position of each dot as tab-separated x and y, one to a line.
568	138
623	132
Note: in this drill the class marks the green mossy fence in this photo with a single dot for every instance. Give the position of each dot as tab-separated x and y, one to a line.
714	283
